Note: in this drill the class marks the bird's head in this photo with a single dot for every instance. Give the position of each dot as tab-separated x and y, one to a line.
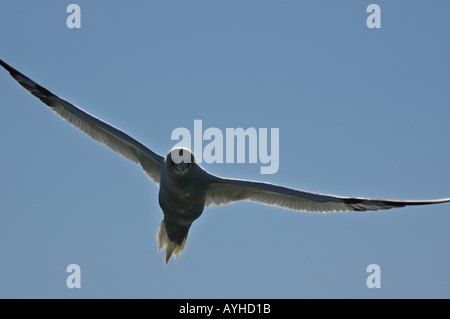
180	161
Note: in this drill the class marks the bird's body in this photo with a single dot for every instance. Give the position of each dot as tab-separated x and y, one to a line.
185	188
182	199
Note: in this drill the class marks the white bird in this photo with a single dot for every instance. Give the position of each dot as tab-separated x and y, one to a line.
185	188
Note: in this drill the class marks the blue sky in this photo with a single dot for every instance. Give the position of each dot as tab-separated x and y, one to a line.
361	112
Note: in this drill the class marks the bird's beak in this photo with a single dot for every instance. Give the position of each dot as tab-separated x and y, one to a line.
181	167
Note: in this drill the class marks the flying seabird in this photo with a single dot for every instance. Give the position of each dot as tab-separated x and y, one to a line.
185	188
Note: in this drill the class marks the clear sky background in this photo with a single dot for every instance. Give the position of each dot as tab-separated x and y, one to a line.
361	112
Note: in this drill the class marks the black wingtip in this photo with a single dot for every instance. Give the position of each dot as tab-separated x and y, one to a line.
40	92
9	68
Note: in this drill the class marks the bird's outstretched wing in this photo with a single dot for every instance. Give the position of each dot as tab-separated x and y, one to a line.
99	130
226	191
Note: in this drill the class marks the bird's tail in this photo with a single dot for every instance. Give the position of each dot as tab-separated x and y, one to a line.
170	245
